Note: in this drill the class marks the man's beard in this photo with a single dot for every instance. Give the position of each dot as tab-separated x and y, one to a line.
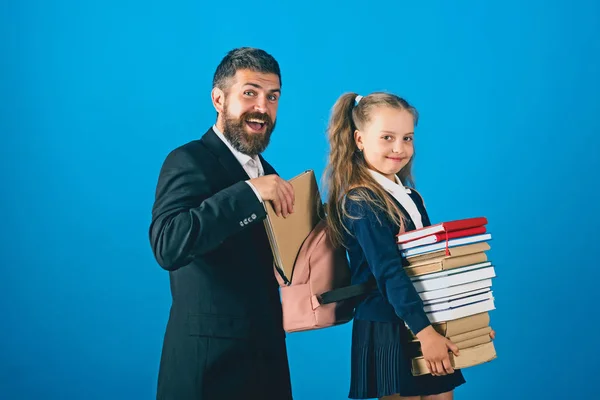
247	143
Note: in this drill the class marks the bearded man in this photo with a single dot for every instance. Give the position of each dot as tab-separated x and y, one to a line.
224	337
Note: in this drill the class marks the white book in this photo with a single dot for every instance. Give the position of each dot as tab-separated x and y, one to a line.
457	296
454	279
442	245
454	290
419	242
448	272
425	241
461	312
458	302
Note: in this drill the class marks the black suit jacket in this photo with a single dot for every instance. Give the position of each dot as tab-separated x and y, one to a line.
224	338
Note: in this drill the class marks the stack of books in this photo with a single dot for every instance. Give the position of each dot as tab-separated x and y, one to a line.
449	267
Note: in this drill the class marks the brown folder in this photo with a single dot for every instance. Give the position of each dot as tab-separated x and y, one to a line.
286	235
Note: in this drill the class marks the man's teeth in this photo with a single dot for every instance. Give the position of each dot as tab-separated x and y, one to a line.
256	120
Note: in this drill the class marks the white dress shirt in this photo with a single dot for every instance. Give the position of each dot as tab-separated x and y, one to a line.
400	193
251	165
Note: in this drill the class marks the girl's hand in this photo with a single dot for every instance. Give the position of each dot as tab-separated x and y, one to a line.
493	334
435	351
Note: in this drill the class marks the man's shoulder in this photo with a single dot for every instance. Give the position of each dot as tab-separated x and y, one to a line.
193	150
191	147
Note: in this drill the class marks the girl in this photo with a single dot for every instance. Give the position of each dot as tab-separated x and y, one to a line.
371	141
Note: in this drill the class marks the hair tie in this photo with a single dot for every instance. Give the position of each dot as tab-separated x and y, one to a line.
357	100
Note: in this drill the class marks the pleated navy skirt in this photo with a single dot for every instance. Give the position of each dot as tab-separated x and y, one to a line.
381	364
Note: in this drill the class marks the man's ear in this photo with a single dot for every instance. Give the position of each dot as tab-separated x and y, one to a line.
218	99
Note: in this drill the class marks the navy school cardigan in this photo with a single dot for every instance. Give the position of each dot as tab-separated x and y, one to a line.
374	254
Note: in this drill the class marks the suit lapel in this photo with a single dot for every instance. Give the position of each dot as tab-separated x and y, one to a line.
226	158
269	170
232	173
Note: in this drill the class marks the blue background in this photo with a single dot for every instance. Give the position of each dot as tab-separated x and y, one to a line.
93	95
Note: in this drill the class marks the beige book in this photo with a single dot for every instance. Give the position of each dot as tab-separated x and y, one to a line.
461	325
468	357
435	256
464	337
425	267
286	235
470	335
476	341
465	344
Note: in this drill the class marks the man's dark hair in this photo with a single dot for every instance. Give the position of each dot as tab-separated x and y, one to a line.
244	58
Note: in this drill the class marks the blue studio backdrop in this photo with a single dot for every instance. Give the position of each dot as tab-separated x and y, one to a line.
93	95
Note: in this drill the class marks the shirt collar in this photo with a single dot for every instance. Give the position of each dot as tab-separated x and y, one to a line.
241	157
401	194
388	184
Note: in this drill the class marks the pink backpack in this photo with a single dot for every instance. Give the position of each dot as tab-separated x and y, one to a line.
320	294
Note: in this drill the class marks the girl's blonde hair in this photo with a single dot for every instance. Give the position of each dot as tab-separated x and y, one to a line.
346	167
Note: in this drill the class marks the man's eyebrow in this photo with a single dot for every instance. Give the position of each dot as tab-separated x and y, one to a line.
256	85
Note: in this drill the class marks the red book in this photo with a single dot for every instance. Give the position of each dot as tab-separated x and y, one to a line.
444	227
438	237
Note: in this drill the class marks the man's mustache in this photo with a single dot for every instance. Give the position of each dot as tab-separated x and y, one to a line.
258	115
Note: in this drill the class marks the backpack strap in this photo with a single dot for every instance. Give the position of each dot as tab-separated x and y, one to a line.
347	292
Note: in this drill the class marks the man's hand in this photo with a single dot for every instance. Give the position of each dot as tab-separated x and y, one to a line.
278	191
